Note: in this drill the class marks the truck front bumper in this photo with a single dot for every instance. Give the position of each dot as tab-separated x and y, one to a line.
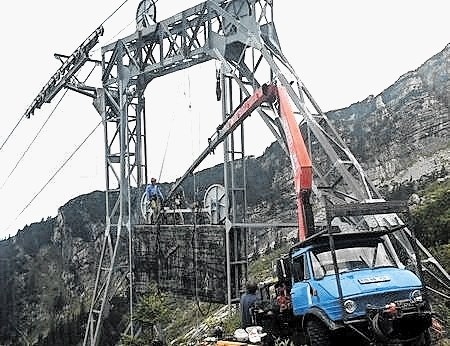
401	320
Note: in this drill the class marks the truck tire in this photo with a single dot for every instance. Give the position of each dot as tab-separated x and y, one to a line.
422	340
317	333
297	338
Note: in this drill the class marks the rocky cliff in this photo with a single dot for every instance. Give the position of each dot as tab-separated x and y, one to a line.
399	136
402	133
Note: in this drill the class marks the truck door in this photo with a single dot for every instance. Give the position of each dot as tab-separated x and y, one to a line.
300	292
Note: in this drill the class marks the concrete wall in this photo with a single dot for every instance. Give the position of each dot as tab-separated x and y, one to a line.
184	260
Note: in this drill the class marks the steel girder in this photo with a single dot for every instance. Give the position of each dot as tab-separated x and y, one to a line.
64	76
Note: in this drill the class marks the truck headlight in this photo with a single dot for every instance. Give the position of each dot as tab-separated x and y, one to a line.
350	306
416	296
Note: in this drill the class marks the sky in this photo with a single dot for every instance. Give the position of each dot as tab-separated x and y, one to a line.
343	51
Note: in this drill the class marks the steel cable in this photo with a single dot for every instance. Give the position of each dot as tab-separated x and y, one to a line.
58	170
33	140
39	131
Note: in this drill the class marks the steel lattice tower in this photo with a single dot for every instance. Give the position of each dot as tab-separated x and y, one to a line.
240	35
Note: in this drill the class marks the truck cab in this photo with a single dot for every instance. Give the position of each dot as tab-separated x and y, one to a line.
343	284
375	293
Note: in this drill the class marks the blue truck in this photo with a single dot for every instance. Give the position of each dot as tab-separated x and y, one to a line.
346	287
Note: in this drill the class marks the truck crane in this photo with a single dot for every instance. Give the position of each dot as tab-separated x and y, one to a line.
333	282
338	283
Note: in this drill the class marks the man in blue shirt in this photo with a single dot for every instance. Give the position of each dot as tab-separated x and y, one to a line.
247	301
153	191
154	198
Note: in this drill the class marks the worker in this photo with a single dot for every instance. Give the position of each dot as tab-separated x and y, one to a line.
155	198
247	302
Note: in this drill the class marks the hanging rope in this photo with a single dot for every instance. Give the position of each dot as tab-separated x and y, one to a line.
194	258
165	150
196	206
189	102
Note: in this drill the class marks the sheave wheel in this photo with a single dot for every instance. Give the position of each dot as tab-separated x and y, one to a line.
317	333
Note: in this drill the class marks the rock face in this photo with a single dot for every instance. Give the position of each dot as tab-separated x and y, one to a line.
48	267
47	270
402	133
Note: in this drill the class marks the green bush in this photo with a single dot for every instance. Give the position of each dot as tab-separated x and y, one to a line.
431	219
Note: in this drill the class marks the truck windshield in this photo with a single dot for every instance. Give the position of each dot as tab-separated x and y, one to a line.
349	258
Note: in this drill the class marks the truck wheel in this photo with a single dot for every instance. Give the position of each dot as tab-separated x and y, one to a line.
297	338
422	340
317	333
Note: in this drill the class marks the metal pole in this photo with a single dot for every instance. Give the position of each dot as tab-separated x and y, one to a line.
335	265
225	182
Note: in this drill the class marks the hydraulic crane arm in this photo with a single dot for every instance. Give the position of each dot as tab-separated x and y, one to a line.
301	164
300	160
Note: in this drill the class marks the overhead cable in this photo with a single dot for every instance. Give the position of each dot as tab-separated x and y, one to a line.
65	72
120	31
126	26
14	129
33	140
58	170
112	14
40	130
112	38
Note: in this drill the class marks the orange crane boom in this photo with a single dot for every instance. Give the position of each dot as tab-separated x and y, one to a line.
301	163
